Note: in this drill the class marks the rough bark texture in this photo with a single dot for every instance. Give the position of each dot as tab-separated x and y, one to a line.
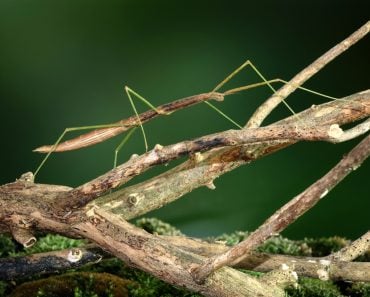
90	211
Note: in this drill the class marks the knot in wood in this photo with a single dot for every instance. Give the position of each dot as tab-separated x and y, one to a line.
134	198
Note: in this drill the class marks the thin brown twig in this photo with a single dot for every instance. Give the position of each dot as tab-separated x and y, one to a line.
310	130
139	199
265	109
354	132
149	252
141	249
162	155
62	260
289	212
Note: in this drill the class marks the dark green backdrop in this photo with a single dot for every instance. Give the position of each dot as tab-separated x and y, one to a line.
65	63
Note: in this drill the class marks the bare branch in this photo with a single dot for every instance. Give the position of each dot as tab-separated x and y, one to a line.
202	169
135	246
354	250
304	266
264	110
289	212
23	236
313	129
27	207
354	132
145	251
58	261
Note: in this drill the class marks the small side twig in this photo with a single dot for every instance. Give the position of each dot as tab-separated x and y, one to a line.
163	189
151	253
60	210
354	132
289	212
318	128
265	109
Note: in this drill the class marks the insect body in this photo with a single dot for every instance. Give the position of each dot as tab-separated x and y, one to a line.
104	132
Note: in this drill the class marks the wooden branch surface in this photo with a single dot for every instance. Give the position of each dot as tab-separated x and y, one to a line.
37	205
59	261
202	169
264	110
290	211
26	207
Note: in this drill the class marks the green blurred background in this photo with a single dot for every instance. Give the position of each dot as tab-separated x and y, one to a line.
65	63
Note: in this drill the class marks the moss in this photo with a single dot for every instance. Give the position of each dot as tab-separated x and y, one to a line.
153	225
275	245
252	273
314	288
281	245
321	247
73	285
53	243
3	288
358	290
232	238
142	284
7	245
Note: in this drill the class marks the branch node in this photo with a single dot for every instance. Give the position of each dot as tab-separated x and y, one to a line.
323	194
335	131
134	198
158	147
74	255
283	277
210	185
217	96
27	177
134	156
198	157
323	274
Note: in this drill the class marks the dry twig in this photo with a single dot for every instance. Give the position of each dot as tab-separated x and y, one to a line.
26	206
59	261
289	212
265	109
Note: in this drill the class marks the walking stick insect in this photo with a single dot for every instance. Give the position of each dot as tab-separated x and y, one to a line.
104	132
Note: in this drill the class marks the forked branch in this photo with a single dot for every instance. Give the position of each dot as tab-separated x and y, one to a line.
63	260
265	109
289	212
319	123
84	212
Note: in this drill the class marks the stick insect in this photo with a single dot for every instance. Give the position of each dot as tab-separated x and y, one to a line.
104	132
